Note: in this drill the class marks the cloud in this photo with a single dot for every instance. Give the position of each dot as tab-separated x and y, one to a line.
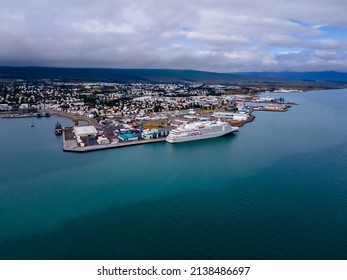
220	35
94	26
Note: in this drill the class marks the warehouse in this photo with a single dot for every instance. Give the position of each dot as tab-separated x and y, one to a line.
85	130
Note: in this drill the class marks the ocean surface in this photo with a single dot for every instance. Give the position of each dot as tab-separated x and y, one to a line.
275	190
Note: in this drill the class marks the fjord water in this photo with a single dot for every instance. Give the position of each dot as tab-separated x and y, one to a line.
275	190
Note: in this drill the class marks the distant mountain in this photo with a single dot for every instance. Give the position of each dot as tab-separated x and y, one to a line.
323	76
118	75
173	76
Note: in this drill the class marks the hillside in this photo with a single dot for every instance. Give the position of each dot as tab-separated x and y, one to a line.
324	79
117	75
318	77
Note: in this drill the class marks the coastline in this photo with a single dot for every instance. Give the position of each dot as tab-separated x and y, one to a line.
74	118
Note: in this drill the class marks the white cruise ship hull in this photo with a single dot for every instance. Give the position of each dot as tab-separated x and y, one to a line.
185	137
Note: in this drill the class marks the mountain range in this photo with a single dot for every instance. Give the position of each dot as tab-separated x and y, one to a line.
170	76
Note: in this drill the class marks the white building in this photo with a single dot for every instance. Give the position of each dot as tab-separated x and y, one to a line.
230	116
85	130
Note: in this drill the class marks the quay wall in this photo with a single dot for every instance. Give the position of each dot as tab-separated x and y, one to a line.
71	145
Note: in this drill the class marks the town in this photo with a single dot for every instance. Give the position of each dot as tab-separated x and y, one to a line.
124	114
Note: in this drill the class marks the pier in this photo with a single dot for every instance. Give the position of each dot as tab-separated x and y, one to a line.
70	143
241	123
272	108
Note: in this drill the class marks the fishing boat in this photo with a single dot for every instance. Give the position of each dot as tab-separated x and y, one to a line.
58	129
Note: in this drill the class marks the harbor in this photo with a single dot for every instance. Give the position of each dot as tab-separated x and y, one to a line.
96	136
88	134
146	119
87	138
254	189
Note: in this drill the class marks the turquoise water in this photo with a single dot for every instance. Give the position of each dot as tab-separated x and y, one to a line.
275	190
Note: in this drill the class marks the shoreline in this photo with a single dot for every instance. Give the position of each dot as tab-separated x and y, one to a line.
72	117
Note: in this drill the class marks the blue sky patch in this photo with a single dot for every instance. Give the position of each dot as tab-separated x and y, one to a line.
333	32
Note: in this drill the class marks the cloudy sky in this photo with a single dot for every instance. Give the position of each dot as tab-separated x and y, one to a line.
212	35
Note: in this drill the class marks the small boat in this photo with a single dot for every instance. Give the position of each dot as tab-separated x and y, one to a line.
58	129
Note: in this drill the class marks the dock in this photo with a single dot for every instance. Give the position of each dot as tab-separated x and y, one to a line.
70	143
241	123
272	108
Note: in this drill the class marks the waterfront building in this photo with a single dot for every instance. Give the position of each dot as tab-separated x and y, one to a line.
87	130
231	116
128	137
150	134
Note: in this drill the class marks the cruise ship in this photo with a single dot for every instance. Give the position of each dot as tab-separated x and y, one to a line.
200	130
